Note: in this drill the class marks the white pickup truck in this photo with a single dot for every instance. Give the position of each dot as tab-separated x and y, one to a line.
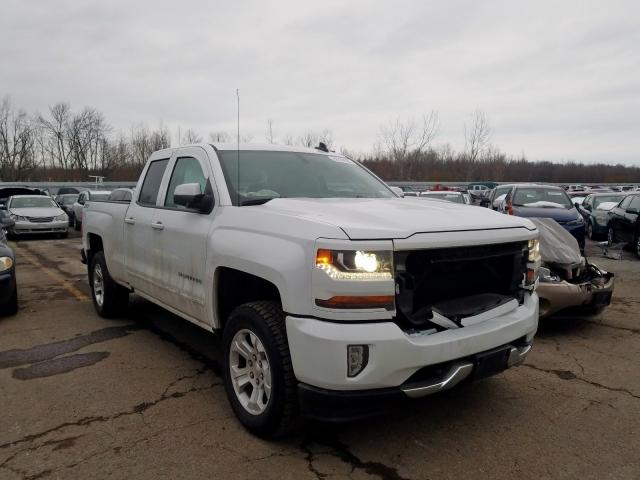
334	296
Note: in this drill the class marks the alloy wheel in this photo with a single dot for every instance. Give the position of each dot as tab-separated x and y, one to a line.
250	371
98	284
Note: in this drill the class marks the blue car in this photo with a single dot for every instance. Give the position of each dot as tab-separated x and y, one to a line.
545	201
8	286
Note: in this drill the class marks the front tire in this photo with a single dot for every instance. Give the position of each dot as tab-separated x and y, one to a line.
590	231
258	374
109	299
12	305
611	236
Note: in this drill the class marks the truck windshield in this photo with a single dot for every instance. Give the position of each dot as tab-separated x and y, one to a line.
264	175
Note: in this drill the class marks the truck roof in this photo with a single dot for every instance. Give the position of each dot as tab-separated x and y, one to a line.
268	147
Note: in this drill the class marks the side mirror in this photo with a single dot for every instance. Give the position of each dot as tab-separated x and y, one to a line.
577	205
189	195
632	210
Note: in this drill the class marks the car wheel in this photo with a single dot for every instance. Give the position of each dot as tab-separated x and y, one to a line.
590	231
611	236
258	374
76	224
12	306
638	244
64	235
109	298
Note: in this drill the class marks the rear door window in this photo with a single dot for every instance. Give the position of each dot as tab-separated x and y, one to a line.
151	184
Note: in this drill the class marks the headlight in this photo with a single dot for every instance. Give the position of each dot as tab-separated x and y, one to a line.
62	217
19	218
5	263
534	250
355	264
545	276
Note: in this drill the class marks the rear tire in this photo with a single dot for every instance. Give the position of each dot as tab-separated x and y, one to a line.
256	332
76	225
637	244
109	299
590	231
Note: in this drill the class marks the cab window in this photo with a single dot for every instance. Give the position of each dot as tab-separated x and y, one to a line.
151	185
186	170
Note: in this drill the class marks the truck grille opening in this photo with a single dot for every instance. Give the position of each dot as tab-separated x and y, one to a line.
457	282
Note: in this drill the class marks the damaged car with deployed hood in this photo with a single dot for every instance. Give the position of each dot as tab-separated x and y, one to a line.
568	283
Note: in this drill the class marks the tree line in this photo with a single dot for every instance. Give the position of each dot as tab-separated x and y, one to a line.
67	145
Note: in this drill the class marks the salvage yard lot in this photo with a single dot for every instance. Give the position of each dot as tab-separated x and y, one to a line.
142	397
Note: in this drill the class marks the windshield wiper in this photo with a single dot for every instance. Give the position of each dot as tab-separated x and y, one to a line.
256	201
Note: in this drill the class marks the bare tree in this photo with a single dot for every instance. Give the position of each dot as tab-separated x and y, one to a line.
400	139
219	137
477	135
190	136
309	139
269	135
56	127
326	137
17	142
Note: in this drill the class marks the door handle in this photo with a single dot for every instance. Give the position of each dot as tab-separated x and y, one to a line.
157	225
130	220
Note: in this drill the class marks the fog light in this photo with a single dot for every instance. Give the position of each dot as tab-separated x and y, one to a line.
357	359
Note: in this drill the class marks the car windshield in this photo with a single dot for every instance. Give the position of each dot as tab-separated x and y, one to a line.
541	197
32	202
607	198
69	199
449	197
255	177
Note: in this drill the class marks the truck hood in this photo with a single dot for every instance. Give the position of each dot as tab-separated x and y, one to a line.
387	218
37	212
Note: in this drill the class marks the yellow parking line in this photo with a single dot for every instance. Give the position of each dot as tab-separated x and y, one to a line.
80	296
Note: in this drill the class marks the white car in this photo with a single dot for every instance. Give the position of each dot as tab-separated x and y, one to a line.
332	295
36	214
449	196
83	198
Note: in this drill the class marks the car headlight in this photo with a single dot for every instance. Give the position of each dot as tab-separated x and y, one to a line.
534	250
5	263
19	218
355	264
62	217
545	276
577	221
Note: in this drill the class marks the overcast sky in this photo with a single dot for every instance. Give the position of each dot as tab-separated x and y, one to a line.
558	79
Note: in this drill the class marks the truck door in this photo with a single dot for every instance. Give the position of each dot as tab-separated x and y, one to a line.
184	234
140	238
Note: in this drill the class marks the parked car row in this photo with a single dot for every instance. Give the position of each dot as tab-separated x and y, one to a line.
27	211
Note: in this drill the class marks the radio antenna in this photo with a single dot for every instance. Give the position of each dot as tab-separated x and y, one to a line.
238	146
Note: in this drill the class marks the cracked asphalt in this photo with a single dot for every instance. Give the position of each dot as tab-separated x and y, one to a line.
142	397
